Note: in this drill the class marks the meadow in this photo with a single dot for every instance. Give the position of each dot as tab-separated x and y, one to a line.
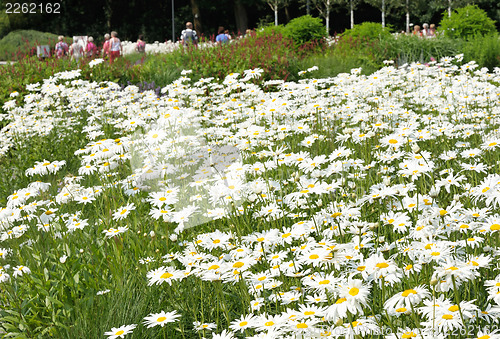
351	206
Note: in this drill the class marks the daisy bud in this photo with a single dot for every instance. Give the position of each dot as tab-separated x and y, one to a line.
433	282
339	322
138	232
152	234
157	250
163	237
373	225
434	192
353	195
415	148
63	259
387	181
486	248
456	197
173	237
81	250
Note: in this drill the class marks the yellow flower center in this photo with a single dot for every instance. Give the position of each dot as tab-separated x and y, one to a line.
408	292
161	319
354	291
382	265
495	227
166	275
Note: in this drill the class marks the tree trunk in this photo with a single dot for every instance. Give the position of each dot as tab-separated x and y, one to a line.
240	14
352	15
109	14
383	13
328	20
276	16
449	8
407	17
287	14
195	9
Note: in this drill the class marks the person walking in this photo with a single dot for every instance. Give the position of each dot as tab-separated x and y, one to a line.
141	45
425	30
432	31
76	50
91	48
61	48
115	47
105	46
417	31
188	36
221	36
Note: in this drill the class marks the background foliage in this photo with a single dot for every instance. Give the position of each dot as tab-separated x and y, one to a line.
130	18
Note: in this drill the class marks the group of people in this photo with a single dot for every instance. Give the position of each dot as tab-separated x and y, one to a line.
425	31
189	36
111	49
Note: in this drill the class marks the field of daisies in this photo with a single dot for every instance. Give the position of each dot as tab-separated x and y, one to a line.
348	207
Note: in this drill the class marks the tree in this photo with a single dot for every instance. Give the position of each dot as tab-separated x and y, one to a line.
240	16
195	8
324	7
275	6
352	5
385	6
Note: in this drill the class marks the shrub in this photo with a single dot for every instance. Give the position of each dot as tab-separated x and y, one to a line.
270	29
484	50
304	29
368	30
18	44
467	22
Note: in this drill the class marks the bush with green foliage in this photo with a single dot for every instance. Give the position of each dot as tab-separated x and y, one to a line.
270	29
18	44
304	29
467	22
368	30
